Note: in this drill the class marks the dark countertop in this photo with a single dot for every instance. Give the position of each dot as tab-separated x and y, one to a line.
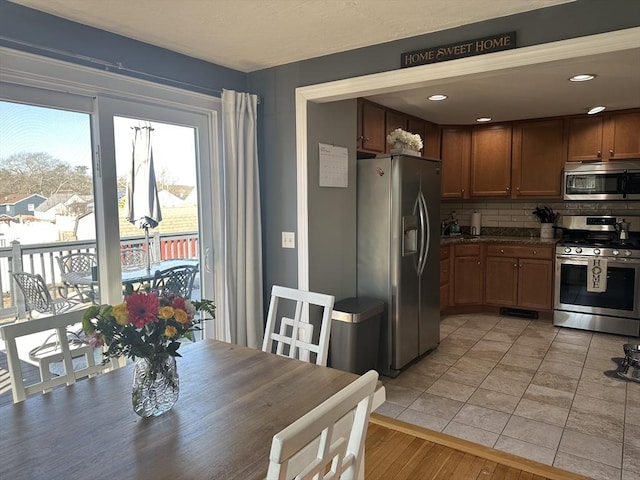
497	239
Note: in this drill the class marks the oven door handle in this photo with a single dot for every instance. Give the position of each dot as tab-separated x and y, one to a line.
610	260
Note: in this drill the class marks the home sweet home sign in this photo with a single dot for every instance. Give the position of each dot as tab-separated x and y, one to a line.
467	48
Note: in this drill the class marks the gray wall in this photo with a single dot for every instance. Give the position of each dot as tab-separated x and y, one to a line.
332	234
276	86
32	31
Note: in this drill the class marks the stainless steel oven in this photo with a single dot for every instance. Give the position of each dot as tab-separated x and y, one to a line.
597	277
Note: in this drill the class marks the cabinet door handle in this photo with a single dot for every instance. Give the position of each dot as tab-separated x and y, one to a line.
462	190
515	265
508	188
478	262
535	252
611	153
502	250
599	153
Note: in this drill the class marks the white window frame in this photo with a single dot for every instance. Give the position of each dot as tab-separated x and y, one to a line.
43	81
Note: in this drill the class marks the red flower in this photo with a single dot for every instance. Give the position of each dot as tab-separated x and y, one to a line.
178	302
143	308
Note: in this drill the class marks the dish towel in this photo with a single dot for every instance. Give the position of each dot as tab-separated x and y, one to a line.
597	275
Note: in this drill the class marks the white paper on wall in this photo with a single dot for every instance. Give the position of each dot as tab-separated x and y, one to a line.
334	166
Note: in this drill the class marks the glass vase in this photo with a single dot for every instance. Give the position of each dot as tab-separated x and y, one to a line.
156	386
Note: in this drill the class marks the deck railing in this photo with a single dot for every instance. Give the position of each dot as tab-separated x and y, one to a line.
41	259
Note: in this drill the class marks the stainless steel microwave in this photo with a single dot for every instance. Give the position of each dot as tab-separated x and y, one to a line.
602	181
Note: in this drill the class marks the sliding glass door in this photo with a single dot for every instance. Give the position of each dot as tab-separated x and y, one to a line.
46	185
75	154
180	151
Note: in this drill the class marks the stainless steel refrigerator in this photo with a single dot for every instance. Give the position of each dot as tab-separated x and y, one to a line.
399	253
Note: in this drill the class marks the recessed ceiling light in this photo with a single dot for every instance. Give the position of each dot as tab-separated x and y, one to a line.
483	119
437	97
594	110
583	77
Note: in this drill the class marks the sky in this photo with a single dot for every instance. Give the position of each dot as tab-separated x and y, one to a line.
66	136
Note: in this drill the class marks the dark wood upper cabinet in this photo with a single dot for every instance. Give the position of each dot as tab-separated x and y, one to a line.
585	139
491	161
538	155
394	120
431	140
455	156
612	136
371	127
622	136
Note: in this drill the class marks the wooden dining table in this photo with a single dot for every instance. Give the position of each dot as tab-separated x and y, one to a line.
232	401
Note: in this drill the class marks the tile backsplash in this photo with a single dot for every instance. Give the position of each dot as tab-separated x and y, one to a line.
515	217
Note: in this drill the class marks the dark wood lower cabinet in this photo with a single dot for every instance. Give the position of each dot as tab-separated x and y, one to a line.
501	275
535	284
501	281
445	275
467	275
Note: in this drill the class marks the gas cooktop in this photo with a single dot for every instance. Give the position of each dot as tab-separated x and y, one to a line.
631	243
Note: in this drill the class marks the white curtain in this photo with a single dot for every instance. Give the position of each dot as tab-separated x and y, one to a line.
238	242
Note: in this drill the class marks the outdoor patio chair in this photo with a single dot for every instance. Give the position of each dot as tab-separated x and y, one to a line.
327	442
37	297
176	280
77	359
81	263
295	337
133	258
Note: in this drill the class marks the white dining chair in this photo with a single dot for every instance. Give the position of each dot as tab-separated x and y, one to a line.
327	442
58	346
295	336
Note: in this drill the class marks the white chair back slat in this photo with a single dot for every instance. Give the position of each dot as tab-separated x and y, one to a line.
328	442
293	337
63	352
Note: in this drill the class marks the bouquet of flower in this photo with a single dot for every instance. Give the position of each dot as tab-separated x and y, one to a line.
406	139
145	325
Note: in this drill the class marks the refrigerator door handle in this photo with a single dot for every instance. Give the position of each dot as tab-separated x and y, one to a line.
424	232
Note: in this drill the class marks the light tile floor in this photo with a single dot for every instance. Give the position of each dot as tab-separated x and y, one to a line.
528	388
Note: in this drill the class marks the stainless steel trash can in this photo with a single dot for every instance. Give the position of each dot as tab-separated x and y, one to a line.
355	334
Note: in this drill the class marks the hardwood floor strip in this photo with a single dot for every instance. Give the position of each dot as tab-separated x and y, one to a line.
384	453
487	470
409	470
446	472
469	467
430	465
501	458
395	467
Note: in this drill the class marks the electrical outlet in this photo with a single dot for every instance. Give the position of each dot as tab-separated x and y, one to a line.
288	240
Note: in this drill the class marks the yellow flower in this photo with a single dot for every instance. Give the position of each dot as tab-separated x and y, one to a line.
170	331
165	313
121	314
181	316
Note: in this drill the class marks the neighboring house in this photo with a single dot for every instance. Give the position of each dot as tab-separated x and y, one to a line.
175	220
192	198
20	204
168	199
65	204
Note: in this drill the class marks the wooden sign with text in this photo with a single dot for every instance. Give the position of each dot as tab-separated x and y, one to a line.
468	48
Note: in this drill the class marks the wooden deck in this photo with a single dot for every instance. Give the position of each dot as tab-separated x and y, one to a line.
396	450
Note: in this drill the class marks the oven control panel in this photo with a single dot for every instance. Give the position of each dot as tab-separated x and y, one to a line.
598	251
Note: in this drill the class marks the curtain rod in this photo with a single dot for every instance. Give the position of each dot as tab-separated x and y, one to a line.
108	66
